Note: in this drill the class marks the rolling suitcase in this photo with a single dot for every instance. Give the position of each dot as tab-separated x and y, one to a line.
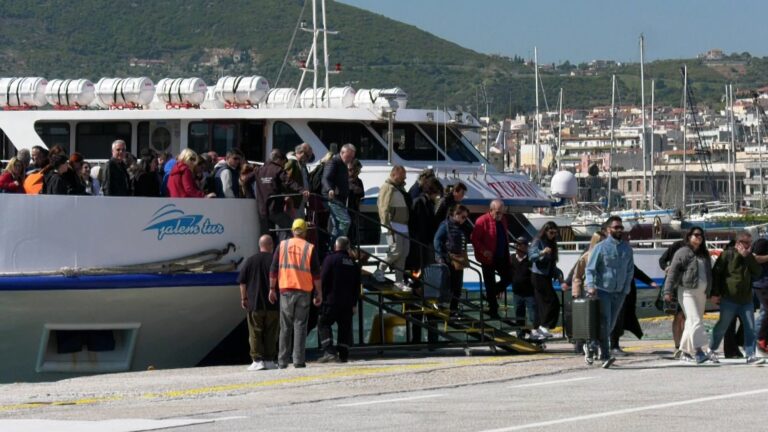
436	283
586	319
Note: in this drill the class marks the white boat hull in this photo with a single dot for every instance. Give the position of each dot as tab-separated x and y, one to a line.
154	327
75	267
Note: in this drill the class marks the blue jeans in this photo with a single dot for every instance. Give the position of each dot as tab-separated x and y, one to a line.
523	304
610	306
340	221
729	310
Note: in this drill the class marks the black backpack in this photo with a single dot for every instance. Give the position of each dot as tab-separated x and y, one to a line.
315	178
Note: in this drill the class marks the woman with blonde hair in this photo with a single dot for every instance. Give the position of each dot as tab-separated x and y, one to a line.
579	275
181	181
12	178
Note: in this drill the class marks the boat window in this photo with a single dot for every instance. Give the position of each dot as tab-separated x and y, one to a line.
7	149
253	141
223	137
219	136
53	134
455	145
284	138
142	136
368	147
94	139
409	142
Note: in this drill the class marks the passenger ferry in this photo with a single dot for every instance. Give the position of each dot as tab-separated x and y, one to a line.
92	284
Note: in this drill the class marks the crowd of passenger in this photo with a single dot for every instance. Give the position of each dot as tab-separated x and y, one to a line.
425	226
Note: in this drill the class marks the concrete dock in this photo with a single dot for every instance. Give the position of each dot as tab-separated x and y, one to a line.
445	390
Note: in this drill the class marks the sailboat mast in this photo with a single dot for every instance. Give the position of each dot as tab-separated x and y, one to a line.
653	177
560	129
730	130
733	150
613	124
642	108
760	156
536	120
685	129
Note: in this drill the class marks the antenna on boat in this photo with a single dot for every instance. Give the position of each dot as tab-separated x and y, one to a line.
312	57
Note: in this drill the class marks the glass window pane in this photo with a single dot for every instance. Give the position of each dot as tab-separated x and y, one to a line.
409	142
53	134
7	149
94	139
340	133
199	137
284	137
452	142
224	137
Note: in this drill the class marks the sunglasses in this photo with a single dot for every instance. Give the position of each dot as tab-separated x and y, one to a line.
618	227
697	235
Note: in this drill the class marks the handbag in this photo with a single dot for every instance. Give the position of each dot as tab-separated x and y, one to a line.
668	307
459	261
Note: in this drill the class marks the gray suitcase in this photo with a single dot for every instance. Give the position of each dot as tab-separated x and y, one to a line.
436	283
586	318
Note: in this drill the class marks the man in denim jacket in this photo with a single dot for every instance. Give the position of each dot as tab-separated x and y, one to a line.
609	277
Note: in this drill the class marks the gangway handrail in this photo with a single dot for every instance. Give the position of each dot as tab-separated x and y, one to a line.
359	214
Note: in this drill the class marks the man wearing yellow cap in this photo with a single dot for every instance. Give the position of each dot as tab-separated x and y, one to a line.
296	270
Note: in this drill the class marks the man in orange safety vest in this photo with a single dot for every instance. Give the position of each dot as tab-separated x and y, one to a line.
296	270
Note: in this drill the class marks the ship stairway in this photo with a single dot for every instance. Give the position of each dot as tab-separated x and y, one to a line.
470	326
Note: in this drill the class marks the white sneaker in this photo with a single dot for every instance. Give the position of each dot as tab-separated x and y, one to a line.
403	287
378	275
257	366
545	332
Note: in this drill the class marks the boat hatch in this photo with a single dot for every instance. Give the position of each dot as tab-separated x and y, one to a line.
87	348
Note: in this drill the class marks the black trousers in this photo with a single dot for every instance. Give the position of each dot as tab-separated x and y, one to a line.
546	301
457	280
493	288
342	317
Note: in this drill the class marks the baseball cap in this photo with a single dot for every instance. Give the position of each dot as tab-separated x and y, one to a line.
299	225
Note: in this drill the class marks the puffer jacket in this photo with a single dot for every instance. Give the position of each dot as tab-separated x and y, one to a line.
684	272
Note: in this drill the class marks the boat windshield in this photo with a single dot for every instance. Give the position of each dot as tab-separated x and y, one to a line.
367	145
455	145
409	142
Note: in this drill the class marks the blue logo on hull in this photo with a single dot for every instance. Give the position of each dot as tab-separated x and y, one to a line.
170	221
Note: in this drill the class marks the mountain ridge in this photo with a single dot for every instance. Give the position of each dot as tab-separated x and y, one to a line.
210	38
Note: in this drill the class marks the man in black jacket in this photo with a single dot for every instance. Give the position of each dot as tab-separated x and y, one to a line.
340	278
116	179
272	179
336	189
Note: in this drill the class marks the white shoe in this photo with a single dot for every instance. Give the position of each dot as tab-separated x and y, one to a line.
378	275
403	287
545	332
257	366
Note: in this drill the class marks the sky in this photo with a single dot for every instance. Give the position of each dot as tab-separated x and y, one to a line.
585	30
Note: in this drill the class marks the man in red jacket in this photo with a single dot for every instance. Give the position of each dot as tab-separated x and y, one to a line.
491	243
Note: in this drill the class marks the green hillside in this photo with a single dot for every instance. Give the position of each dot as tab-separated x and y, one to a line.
210	38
